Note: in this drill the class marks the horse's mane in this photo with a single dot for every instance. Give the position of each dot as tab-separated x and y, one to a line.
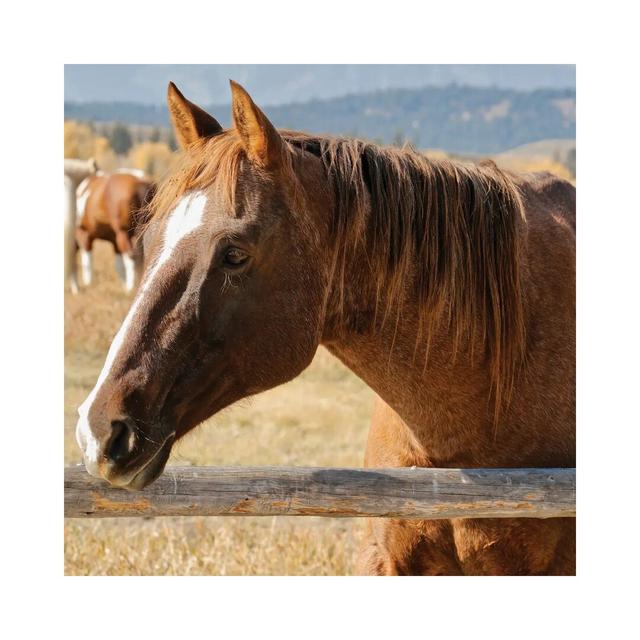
450	228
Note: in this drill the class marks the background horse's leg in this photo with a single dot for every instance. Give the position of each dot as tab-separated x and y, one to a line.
125	249
85	244
129	271
119	264
73	275
86	260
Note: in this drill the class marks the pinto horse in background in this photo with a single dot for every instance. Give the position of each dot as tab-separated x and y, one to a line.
110	208
75	172
449	288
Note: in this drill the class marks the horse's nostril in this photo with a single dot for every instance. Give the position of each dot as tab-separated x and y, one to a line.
121	443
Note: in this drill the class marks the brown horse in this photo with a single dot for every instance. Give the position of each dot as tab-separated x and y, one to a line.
109	208
448	288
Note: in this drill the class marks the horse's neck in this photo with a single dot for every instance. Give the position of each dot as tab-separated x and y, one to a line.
448	403
444	397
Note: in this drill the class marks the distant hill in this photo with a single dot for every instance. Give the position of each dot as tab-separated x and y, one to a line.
285	83
542	149
460	119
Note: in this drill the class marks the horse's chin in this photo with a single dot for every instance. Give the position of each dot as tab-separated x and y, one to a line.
149	472
152	471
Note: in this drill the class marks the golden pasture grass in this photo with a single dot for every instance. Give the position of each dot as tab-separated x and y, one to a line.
319	419
211	546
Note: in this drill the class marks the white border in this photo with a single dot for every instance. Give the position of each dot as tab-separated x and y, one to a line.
41	38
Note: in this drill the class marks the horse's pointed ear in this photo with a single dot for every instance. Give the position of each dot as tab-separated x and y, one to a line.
260	139
190	122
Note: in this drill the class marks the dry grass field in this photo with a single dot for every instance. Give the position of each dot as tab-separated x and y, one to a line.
319	419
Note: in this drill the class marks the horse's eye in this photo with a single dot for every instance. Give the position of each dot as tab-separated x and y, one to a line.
235	257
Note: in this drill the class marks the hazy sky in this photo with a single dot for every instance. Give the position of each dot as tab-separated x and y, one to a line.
278	84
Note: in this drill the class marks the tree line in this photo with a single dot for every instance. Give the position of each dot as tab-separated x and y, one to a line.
456	118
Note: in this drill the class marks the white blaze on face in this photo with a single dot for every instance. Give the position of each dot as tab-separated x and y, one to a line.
185	218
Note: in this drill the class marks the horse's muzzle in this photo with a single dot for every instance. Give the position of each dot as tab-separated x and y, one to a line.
129	458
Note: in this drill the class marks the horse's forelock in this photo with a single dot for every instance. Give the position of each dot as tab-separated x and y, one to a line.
213	161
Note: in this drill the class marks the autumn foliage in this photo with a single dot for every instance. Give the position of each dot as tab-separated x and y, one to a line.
81	141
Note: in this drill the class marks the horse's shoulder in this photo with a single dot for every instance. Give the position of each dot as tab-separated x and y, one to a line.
554	186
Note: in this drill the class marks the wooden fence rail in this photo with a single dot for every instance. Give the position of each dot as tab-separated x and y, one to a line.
391	493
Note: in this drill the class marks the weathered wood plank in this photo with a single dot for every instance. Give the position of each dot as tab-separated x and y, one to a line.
260	491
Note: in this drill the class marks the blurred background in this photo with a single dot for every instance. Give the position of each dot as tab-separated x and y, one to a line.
522	116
